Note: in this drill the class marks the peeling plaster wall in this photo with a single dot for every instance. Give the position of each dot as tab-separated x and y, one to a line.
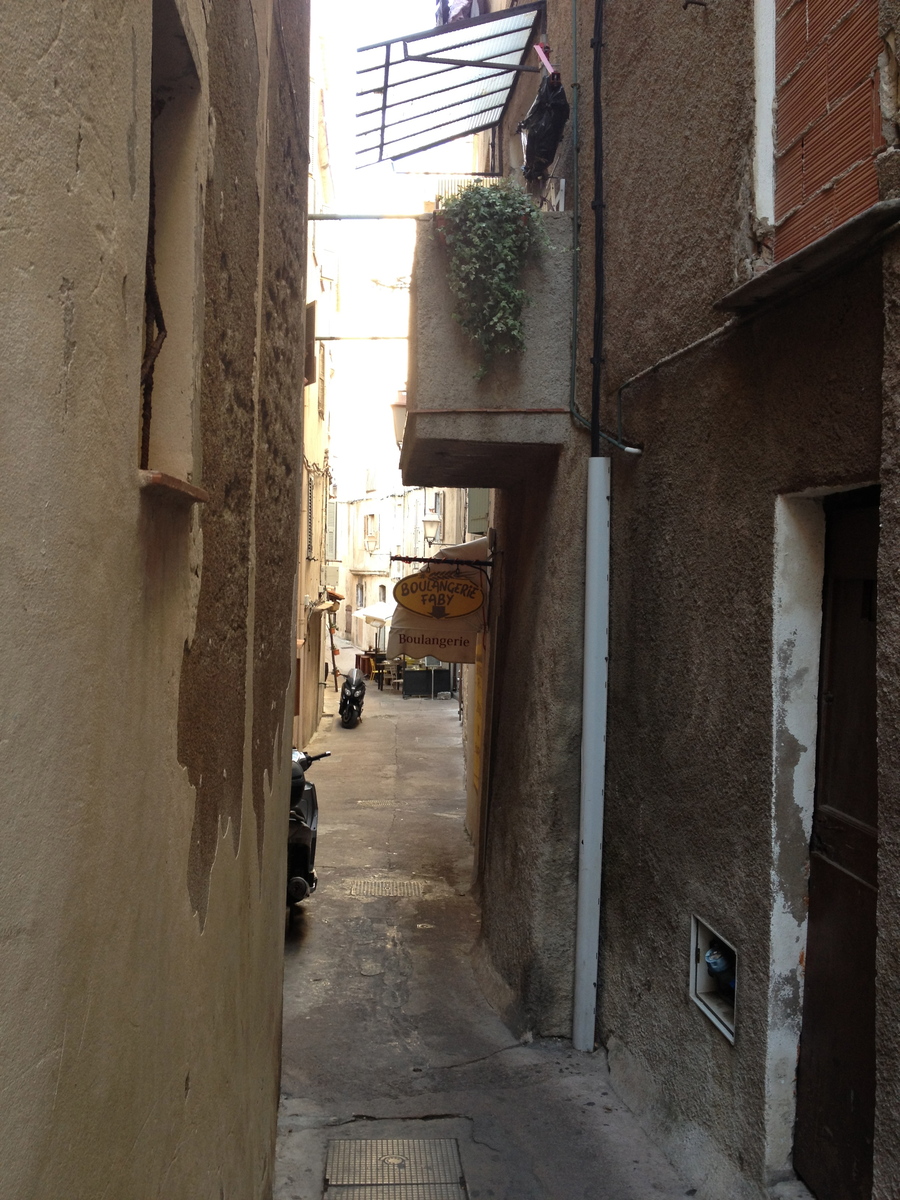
145	783
712	689
799	552
791	402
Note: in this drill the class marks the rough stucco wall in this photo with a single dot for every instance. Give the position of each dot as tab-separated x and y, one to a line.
678	143
211	735
526	958
140	1051
528	892
887	1114
278	452
790	402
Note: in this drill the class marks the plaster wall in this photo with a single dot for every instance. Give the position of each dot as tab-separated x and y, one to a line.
531	834
716	562
887	1113
708	794
679	125
521	401
146	646
713	670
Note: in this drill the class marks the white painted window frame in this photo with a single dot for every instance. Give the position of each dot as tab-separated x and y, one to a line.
764	147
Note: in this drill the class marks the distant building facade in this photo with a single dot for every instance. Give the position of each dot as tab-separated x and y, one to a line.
370	530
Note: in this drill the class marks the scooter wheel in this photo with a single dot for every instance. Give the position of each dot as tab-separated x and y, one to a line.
297	890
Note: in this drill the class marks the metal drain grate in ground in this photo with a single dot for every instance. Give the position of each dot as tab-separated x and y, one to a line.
394	1169
375	803
398	1191
385	887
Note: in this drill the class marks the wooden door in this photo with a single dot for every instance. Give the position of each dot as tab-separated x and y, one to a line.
836	1072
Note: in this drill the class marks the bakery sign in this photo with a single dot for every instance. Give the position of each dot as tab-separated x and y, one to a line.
440	613
439	595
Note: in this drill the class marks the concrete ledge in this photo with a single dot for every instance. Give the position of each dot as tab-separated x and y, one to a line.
168	487
474	450
838	248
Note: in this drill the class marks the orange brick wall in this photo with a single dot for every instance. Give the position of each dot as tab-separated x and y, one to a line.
828	124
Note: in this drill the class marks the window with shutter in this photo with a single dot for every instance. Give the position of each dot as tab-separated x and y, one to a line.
370	531
331	530
310	360
828	122
321	380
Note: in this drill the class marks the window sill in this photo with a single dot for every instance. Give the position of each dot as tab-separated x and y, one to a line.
838	248
167	487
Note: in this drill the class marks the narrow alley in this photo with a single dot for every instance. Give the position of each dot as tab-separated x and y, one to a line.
386	1034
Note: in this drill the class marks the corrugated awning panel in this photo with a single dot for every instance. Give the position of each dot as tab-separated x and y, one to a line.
428	88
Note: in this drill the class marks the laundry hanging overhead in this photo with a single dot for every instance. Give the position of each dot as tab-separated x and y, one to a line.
429	88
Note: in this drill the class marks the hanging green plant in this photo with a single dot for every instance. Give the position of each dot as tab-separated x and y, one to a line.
488	232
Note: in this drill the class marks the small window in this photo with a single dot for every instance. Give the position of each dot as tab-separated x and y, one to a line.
370	531
713	978
361	595
382	593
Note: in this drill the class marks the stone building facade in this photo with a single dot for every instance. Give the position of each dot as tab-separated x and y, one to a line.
742	186
155	163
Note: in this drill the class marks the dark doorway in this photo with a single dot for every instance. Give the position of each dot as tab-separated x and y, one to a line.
836	1073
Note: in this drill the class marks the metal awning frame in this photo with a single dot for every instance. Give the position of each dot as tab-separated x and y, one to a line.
486	65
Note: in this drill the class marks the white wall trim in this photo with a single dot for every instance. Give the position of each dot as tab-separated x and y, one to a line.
796	636
764	142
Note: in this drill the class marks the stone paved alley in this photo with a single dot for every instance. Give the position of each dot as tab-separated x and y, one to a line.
386	1034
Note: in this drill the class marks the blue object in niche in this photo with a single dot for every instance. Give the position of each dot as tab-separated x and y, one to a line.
720	966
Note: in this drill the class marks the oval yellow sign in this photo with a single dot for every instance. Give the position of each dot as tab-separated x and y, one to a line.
438	594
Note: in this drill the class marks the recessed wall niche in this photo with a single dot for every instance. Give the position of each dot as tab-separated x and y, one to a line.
713	976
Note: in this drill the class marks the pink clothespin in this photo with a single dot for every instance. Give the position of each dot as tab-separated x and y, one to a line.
551	70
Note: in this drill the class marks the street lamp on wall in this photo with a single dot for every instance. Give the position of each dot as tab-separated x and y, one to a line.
431	527
398	411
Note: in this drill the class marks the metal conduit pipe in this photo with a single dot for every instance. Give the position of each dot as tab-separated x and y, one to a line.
596	635
576	416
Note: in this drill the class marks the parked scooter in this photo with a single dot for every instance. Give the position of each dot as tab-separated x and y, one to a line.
352	695
302	829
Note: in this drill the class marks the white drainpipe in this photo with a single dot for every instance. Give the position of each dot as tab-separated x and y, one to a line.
593	752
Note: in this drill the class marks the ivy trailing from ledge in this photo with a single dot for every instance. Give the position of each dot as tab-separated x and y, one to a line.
488	232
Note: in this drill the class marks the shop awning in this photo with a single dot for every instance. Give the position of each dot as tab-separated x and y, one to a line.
428	88
379	613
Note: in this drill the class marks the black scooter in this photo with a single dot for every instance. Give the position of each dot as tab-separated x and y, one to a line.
352	695
302	828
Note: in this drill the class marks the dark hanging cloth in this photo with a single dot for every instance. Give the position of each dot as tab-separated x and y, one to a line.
543	126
